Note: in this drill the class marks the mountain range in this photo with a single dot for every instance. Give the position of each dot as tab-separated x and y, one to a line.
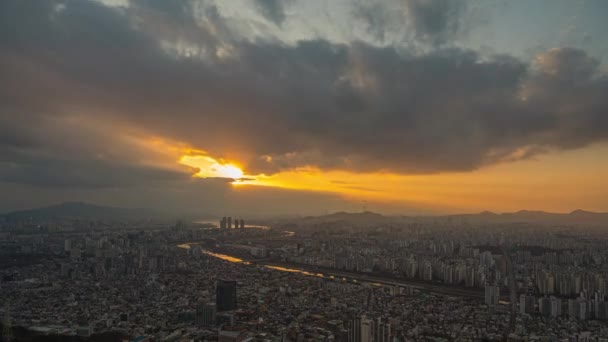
92	211
576	217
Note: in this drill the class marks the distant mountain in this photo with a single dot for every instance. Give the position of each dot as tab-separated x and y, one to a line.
522	216
366	217
80	210
527	216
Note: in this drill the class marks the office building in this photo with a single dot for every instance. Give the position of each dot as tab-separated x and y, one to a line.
381	331
67	245
205	315
544	306
366	327
492	295
225	292
354	334
556	307
526	304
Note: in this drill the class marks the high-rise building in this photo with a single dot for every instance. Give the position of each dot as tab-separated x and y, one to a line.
225	292
544	306
205	314
363	329
229	222
581	309
223	223
382	331
572	308
602	311
241	223
492	295
469	277
67	245
354	330
526	304
367	329
556	307
427	273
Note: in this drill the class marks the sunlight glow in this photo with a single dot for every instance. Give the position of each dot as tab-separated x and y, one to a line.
211	168
228	170
537	183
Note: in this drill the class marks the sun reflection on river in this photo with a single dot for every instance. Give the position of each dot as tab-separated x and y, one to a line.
292	270
276	268
226	257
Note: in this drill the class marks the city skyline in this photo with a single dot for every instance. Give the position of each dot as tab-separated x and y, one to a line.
305	107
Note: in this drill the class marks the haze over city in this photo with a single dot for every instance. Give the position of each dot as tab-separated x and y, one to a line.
305	107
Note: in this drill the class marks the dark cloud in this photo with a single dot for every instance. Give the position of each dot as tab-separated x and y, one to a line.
272	10
244	179
60	153
377	17
84	173
220	179
435	20
273	106
432	22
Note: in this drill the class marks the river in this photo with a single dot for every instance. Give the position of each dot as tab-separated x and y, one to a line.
281	268
345	276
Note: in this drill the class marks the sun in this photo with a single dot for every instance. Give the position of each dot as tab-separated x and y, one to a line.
228	171
212	168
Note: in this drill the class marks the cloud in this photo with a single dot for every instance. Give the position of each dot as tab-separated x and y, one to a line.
435	20
145	71
272	10
84	173
67	152
220	179
426	22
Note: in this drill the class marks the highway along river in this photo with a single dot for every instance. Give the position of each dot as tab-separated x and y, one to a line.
346	276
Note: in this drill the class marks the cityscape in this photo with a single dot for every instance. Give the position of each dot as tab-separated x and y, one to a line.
341	277
303	170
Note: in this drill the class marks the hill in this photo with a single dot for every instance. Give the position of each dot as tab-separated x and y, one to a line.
541	217
577	217
80	210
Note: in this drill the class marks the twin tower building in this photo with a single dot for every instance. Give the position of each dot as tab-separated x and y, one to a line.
226	223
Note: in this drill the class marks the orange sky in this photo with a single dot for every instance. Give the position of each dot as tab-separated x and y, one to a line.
560	182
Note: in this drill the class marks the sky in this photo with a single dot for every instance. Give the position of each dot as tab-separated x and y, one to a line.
300	107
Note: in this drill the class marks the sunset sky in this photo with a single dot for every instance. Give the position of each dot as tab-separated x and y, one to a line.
269	107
